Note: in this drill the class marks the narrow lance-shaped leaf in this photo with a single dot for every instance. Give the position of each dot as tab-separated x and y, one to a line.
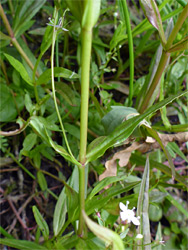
182	45
142	208
105	234
151	11
124	130
41	223
19	67
22	244
154	134
59	213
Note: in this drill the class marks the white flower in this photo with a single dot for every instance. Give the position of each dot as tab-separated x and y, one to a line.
128	215
115	14
139	236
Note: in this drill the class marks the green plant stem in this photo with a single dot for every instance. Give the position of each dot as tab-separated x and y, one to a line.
53	87
164	59
85	73
21	166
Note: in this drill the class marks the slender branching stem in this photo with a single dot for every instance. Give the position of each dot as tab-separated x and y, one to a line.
53	86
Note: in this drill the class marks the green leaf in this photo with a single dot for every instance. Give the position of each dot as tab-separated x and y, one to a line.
59	149
105	234
124	130
140	160
159	237
77	8
66	92
38	126
103	183
4	232
154	134
29	141
99	201
19	67
143	207
4	37
151	11
41	222
22	244
116	116
42	181
8	110
59	213
174	147
73	202
174	202
182	45
58	72
91	14
24	13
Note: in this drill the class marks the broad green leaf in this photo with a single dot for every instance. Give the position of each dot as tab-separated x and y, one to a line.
29	141
143	208
22	244
116	116
38	126
58	72
19	67
8	110
105	234
151	11
140	160
41	222
124	130
60	213
66	92
155	212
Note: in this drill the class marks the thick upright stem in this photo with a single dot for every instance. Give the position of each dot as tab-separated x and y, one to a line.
85	74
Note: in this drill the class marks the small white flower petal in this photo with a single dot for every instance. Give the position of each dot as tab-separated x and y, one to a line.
123	216
122	206
135	221
139	236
